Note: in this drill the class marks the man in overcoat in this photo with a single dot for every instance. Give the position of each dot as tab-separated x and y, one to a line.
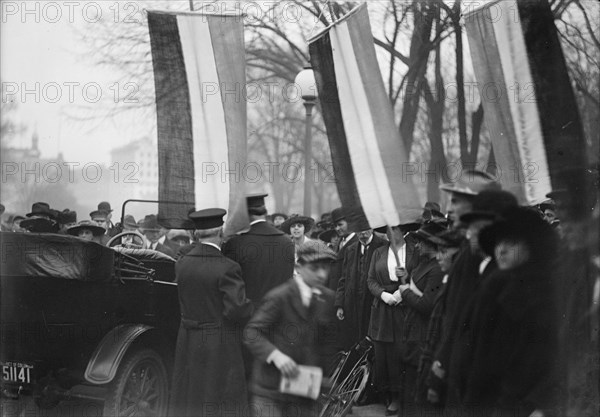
353	299
265	254
208	375
287	330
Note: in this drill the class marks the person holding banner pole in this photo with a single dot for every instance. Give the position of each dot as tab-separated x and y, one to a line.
387	271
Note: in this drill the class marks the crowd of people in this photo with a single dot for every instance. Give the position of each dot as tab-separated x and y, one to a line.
490	309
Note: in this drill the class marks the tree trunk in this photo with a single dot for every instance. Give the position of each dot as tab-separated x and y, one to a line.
476	123
460	88
419	54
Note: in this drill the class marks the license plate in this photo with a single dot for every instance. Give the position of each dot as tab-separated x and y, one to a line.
16	372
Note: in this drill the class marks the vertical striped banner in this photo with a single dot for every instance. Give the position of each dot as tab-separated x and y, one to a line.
199	74
529	105
367	153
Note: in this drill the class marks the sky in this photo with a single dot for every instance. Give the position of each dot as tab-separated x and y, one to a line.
41	53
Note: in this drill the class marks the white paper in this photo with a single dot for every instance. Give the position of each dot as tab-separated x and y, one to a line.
306	384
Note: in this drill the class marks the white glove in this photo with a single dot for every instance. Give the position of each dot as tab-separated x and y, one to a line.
340	313
388	298
284	363
397	296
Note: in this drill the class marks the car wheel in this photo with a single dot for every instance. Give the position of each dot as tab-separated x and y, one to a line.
140	387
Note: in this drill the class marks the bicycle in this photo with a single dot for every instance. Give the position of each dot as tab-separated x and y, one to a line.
348	380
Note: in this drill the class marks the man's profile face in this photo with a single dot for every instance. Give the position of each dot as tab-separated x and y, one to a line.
459	204
341	227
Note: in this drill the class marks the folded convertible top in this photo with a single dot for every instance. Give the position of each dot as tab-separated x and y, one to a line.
55	256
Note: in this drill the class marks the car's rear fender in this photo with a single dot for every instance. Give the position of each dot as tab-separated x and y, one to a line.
105	360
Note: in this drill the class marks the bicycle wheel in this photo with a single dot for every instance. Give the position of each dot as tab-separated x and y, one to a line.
340	401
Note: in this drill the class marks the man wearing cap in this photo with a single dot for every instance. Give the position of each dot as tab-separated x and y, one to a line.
353	299
471	266
111	230
305	305
208	374
265	254
347	238
151	231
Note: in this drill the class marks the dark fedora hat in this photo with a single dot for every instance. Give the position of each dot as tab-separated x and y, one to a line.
314	251
490	204
338	214
99	214
308	223
41	209
150	223
86	224
129	222
328	235
105	206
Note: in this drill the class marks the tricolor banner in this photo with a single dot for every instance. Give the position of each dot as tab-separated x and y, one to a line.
529	105
369	159
199	68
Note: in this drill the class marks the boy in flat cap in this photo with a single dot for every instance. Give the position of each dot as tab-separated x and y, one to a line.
208	375
287	331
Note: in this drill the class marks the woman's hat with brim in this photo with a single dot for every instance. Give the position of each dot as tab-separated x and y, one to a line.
520	223
39	225
489	205
86	224
314	251
428	230
328	235
448	239
308	223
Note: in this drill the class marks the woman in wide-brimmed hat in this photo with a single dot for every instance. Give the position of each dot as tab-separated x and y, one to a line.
88	230
298	227
509	363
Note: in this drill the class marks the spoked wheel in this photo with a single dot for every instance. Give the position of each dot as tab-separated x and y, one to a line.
140	387
340	401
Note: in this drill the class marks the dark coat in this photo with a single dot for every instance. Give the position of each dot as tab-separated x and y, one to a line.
427	277
337	267
266	256
353	294
386	324
283	322
208	368
513	349
163	248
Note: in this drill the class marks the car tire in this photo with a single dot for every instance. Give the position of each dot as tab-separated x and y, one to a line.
140	388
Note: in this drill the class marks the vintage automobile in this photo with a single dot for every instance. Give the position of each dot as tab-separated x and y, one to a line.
81	320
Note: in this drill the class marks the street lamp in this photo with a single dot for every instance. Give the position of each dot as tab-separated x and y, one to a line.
305	80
